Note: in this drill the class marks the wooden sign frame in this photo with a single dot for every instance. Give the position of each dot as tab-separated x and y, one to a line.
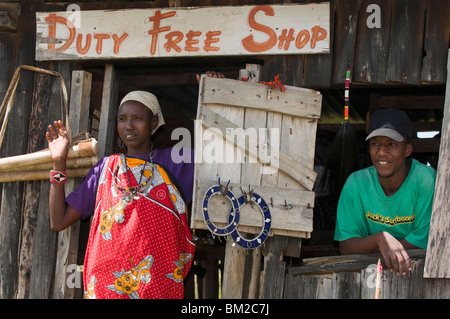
183	32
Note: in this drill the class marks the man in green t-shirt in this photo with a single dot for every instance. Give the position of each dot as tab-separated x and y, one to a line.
387	207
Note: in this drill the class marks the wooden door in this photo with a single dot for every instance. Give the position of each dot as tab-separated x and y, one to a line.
282	125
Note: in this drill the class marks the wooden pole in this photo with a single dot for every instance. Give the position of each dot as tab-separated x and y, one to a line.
437	262
12	193
68	239
108	114
39	114
19	162
40	175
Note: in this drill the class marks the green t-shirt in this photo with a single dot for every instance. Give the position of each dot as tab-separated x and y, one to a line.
364	209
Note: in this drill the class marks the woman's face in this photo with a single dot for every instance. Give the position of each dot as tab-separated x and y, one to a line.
135	123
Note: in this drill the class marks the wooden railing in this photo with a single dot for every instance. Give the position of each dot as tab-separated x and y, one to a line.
354	277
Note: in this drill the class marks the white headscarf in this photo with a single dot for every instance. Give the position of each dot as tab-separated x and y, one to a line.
149	100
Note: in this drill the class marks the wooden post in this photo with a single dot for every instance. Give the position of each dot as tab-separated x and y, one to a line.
437	262
235	256
16	143
68	238
108	114
44	252
274	268
41	99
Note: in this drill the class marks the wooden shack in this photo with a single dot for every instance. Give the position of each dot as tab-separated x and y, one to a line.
398	53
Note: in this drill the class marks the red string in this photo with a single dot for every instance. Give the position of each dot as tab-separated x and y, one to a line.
276	83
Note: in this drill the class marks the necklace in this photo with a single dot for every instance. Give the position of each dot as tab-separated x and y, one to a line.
131	193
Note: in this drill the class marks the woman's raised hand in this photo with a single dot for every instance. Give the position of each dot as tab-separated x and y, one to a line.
58	142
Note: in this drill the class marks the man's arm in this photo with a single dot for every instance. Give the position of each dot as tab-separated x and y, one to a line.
393	250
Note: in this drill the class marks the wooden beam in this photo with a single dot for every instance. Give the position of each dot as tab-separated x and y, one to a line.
22	43
68	239
410	102
344	39
108	114
437	263
39	114
44	254
437	33
296	102
372	45
406	42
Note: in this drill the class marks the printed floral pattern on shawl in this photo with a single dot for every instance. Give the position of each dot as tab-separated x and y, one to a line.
139	246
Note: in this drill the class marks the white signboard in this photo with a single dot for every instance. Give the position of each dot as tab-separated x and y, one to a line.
206	31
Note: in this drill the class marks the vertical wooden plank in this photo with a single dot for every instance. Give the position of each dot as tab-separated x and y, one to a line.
318	67
324	286
254	119
437	262
346	285
273	65
389	285
292	286
372	44
68	239
44	254
38	123
345	38
436	41
274	268
293	75
108	114
209	284
43	265
290	68
235	255
6	64
406	42
234	262
255	274
436	288
417	280
437	33
368	281
12	192
233	270
309	287
404	286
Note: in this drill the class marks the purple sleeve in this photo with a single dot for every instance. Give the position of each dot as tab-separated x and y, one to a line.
83	198
183	171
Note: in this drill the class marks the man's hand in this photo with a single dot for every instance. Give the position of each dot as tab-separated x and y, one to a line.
393	250
211	74
395	255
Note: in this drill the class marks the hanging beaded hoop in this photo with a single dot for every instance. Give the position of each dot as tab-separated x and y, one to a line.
234	213
259	240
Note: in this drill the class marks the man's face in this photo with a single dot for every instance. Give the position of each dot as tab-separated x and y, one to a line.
388	156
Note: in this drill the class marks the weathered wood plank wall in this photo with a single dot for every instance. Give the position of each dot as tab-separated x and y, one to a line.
16	140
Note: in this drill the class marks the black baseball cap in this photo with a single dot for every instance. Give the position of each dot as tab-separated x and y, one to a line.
391	123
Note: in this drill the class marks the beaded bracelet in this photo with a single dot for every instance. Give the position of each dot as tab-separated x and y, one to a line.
58	177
